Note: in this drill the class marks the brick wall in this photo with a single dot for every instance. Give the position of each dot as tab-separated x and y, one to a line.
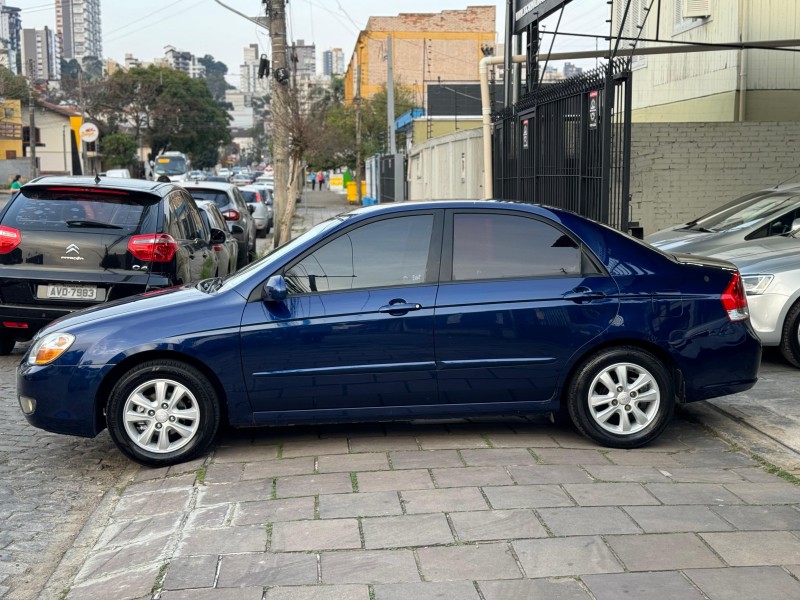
681	170
472	19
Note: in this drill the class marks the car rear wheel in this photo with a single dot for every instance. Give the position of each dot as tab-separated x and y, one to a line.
621	397
790	338
6	344
163	412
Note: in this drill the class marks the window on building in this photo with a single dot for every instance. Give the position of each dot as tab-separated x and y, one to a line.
631	25
688	14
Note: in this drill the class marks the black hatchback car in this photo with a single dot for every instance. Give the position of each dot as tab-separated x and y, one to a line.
67	243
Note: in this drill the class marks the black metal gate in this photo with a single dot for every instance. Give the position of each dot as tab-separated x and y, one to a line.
568	145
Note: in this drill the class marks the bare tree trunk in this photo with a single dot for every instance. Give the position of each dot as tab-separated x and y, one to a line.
280	113
293	190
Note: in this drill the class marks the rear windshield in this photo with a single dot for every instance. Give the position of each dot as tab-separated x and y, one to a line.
746	212
63	209
249	196
219	198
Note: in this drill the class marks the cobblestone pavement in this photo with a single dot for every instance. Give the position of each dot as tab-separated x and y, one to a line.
485	510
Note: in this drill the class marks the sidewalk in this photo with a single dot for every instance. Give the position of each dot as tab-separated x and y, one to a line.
505	508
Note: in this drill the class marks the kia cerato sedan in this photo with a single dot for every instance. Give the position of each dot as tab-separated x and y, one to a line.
405	311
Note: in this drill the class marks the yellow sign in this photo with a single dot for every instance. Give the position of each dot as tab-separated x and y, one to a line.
336	181
163	160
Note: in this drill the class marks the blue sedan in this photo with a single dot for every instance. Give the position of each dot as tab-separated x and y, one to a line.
398	312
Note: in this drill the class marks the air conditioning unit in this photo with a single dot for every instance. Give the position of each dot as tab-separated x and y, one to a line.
695	9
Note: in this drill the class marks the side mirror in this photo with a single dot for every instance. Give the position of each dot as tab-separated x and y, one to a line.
795	227
251	208
274	290
217	236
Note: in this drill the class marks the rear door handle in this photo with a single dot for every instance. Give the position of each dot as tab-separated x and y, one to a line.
399	307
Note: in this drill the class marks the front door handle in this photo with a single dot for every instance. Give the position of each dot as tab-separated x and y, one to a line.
583	294
399	307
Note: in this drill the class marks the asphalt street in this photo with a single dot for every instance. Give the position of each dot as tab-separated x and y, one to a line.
489	509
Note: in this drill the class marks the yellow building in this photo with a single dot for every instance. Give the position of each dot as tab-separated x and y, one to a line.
426	47
10	129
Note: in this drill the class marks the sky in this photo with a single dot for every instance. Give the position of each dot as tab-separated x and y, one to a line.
144	27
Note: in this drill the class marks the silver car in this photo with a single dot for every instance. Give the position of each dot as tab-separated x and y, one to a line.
770	270
257	201
751	218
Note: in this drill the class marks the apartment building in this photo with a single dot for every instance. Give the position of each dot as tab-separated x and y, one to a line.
79	30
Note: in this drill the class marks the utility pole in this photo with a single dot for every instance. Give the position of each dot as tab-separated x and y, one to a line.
276	14
390	96
32	112
357	100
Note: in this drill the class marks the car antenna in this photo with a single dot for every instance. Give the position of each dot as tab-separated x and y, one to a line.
96	177
786	180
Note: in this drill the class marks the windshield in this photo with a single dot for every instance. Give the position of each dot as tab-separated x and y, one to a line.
170	165
219	198
745	213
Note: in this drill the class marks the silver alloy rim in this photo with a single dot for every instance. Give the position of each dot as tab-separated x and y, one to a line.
624	398
161	416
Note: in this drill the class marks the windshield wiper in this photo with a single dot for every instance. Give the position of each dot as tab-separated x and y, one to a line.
85	223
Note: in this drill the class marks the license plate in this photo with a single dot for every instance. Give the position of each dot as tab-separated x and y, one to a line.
70	292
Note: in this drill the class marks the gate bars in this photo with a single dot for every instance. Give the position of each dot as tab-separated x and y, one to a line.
567	145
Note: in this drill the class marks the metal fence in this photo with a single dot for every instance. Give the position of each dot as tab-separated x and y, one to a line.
568	145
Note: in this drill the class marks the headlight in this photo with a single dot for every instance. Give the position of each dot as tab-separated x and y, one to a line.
48	348
756	284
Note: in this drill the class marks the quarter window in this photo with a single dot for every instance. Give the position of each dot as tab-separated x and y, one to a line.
504	246
387	253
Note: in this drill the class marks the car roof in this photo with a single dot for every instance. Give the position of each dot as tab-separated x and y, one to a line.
122	183
210	185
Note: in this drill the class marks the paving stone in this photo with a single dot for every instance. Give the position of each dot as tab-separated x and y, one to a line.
522	439
780	492
447	500
498	457
269	511
755	475
319	592
540	474
367	461
267	569
483	561
527	496
163	484
241	491
755	548
363	504
663	551
223	472
441	590
250	593
245	452
268	469
369	566
407	530
565	557
692	493
471	476
131	584
635	458
223	540
612	473
717	458
703	475
129	557
761	518
567	456
533	589
587	521
191	572
300	536
496	525
641	586
609	494
337	445
425	459
212	516
567	437
674	519
131	532
133	506
451	441
384	481
311	485
384	444
745	583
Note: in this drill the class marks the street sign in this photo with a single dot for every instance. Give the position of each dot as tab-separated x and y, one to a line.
593	97
89	132
525	134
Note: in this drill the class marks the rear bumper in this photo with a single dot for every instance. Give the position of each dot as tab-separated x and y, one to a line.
34	317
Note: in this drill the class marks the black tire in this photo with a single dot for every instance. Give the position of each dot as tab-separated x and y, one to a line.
639	407
790	337
6	344
183	426
262	233
243	258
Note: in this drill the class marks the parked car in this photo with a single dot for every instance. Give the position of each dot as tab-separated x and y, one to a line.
71	242
255	198
762	214
404	311
227	251
242	179
124	173
231	204
226	173
196	175
216	178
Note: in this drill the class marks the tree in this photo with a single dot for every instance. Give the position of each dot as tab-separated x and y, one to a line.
119	150
215	77
13	86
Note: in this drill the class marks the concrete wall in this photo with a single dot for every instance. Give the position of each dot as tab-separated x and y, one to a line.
17	166
681	170
447	168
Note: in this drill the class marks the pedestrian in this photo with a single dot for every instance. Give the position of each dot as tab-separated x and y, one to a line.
313	178
15	185
320	179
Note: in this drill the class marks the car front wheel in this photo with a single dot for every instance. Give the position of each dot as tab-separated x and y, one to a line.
163	412
790	338
621	397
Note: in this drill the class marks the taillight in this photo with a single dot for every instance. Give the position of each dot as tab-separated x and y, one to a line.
231	215
734	299
9	239
258	198
153	247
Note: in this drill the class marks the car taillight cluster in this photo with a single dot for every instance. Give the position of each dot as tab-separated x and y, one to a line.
9	239
734	299
231	215
153	247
